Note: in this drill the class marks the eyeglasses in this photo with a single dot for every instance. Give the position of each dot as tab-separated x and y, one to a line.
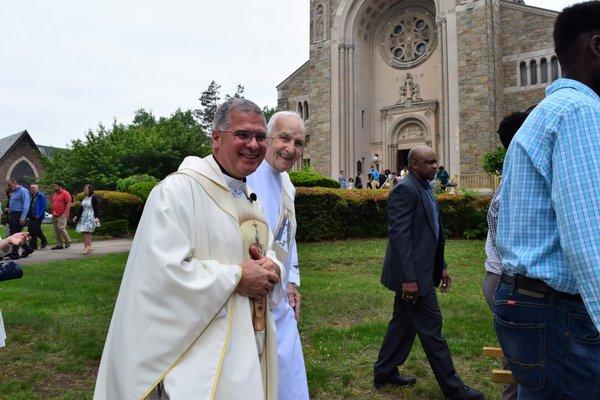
246	136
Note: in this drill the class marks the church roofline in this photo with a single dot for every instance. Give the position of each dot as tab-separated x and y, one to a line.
9	142
293	74
531	9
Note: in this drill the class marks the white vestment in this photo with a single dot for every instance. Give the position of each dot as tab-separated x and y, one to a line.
2	332
276	194
178	326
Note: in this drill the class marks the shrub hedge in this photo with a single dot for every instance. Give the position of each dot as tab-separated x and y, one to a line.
142	189
334	214
114	206
308	177
115	228
124	184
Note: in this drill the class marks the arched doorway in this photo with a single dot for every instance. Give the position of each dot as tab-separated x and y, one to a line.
407	133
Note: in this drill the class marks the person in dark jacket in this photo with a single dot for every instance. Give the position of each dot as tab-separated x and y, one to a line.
37	213
413	265
88	217
358	181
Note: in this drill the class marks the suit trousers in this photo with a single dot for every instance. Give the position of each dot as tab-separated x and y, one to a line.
424	319
14	221
35	231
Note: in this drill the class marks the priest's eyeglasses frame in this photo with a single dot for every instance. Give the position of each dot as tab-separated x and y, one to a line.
246	136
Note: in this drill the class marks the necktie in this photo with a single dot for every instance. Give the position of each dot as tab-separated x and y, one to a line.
436	218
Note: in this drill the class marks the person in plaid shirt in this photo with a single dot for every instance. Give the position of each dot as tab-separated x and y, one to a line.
547	306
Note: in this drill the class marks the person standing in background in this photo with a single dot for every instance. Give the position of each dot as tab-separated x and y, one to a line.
342	180
88	217
61	207
37	213
18	208
493	263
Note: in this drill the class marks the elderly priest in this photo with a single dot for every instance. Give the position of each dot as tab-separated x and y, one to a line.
276	194
193	316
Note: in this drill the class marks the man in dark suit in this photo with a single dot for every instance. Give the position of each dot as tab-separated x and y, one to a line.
414	264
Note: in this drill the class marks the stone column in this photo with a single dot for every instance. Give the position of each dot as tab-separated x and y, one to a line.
392	154
350	151
342	107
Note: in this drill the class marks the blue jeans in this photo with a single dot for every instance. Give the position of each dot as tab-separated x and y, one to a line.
551	344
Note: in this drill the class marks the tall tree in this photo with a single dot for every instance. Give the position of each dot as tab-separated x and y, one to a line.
239	93
209	101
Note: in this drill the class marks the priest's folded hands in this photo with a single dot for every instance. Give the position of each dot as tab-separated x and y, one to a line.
258	277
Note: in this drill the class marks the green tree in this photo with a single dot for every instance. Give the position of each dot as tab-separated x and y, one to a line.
209	101
493	161
269	111
146	146
239	93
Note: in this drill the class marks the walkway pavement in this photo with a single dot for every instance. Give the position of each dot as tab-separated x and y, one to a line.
100	247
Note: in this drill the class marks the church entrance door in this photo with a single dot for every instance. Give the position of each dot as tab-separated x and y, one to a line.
402	160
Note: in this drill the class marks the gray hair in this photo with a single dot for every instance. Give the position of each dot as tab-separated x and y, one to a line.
221	121
275	117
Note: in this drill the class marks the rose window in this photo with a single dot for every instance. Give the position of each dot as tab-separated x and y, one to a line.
408	39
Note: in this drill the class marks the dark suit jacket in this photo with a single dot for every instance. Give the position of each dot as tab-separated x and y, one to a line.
413	253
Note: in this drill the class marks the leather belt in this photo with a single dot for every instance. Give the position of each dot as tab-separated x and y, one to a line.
537	286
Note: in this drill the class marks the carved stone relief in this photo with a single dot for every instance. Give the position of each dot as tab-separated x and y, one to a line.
411	131
320	22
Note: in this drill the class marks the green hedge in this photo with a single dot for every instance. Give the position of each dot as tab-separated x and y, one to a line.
116	228
310	178
142	189
124	184
334	214
114	206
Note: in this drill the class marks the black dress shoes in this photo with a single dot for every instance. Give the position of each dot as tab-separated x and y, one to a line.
26	252
402	380
466	393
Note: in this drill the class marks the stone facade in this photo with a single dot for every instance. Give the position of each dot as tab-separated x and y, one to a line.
472	62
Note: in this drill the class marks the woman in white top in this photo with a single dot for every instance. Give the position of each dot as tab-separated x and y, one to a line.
15	240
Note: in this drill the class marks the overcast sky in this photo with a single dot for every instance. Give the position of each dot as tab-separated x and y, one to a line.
67	65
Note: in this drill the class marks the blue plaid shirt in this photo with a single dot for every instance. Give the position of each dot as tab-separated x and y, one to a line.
549	222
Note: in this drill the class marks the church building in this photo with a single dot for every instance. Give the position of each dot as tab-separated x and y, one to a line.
387	75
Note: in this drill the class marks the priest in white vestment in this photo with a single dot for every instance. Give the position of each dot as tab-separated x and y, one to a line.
276	194
187	322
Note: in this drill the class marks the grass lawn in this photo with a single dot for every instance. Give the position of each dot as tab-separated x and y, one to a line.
57	316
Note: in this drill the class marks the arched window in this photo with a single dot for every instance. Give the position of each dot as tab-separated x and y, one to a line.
299	109
554	67
523	73
533	72
23	173
544	70
306	115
